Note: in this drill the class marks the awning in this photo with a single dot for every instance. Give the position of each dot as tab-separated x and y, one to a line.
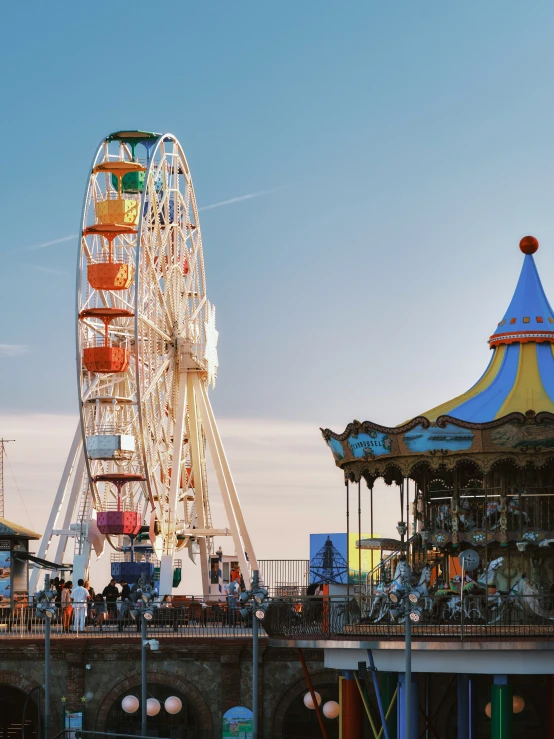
27	557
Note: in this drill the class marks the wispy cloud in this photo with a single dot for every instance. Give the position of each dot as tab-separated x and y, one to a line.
240	199
13	350
51	243
49	270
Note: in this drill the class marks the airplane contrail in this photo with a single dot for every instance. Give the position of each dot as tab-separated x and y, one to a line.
13	350
51	243
240	198
221	203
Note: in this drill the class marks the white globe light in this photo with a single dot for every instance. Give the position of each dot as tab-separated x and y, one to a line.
152	707
308	702
518	704
173	704
331	709
130	704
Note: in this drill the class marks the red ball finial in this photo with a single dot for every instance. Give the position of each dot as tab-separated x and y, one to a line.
528	244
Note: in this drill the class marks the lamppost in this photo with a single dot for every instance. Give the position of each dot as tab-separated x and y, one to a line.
408	606
254	603
46	609
143	608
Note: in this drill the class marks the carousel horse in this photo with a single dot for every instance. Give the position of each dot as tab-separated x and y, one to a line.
530	599
471	589
399	582
444	517
466	518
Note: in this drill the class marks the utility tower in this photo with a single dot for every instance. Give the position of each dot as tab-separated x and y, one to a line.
3	442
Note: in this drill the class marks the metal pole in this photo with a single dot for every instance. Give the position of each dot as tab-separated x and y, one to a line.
46	677
347	540
359	538
312	693
408	519
408	673
255	581
380	706
144	684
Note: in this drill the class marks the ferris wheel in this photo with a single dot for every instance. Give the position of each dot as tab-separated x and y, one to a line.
146	355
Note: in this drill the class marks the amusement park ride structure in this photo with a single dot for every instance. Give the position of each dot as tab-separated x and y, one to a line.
146	344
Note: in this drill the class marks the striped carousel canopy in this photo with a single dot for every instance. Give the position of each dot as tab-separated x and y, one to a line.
520	375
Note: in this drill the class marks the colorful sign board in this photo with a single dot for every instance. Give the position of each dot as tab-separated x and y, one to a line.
361	446
5	577
450	438
238	723
331	560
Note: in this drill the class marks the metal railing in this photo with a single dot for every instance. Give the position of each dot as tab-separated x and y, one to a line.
193	620
285	577
444	617
183	733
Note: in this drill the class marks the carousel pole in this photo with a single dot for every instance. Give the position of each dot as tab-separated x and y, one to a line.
359	540
347	540
408	519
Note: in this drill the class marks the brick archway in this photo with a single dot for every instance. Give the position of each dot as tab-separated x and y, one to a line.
194	696
26	685
17	680
282	705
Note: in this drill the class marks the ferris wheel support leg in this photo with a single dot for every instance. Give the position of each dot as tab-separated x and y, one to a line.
57	506
169	521
76	487
198	467
245	550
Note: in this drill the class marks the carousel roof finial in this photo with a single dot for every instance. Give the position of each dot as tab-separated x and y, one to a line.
529	316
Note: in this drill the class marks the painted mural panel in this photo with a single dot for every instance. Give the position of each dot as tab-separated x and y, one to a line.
329	559
517	436
238	723
5	574
451	438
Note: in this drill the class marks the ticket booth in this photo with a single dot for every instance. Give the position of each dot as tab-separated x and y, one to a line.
14	563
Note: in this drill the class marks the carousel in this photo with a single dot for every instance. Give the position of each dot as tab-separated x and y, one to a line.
475	480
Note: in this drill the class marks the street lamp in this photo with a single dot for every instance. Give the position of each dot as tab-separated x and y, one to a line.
143	608
46	609
407	605
254	602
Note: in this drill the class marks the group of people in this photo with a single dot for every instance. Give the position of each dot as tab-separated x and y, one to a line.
78	602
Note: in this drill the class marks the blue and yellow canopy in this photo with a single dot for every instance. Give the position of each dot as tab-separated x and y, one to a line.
520	375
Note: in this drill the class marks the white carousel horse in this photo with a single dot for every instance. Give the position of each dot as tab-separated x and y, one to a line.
400	580
530	598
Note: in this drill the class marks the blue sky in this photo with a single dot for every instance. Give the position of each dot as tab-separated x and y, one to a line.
407	147
410	146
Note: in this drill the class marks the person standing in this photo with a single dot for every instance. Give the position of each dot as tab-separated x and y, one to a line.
233	591
67	608
60	584
124	608
111	594
79	596
91	594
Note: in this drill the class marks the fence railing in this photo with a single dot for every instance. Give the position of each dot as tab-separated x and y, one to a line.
194	620
445	616
285	577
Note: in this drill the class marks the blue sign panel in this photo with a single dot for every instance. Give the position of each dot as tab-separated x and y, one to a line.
336	448
372	444
451	438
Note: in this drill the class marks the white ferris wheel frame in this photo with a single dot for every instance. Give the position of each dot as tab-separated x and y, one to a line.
184	518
